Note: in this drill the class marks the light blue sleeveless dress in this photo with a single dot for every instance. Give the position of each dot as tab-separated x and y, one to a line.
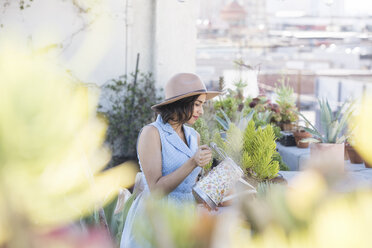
174	154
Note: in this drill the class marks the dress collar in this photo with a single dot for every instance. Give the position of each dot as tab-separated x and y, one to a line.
175	140
165	126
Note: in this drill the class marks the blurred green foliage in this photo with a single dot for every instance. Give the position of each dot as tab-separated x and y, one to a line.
129	109
202	128
229	105
286	101
311	213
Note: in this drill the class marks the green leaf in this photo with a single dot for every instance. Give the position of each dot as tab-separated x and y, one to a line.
315	134
222	122
341	139
339	112
314	130
325	116
225	115
332	132
345	118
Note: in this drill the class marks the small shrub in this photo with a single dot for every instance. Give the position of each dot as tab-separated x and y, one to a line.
129	109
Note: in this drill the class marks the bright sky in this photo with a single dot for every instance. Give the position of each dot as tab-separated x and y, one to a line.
358	6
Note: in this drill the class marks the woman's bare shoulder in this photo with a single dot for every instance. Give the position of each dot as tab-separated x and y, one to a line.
150	132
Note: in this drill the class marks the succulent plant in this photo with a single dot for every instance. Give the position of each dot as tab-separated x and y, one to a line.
332	124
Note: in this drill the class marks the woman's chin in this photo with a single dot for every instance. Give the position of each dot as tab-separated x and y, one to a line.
191	122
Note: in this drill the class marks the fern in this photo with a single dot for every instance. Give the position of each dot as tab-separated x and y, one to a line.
258	151
254	150
247	162
249	135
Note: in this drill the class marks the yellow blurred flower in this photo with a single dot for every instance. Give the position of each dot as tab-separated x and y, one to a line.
343	221
363	131
305	192
51	153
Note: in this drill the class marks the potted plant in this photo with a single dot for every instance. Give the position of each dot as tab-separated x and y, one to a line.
350	145
299	134
361	130
354	157
262	104
329	139
260	119
286	102
253	149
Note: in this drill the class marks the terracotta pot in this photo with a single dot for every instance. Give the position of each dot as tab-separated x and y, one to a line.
354	157
333	154
301	135
287	126
367	165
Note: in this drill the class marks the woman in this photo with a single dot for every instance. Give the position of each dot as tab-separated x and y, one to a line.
169	152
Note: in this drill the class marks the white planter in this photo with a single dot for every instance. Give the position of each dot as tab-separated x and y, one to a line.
330	155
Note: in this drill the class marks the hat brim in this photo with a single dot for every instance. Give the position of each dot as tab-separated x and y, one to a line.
210	95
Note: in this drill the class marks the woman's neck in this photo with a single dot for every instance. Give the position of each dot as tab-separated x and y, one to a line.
176	126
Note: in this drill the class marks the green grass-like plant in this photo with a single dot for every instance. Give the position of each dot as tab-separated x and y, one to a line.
202	128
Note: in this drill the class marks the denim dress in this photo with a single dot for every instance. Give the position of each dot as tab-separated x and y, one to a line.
174	154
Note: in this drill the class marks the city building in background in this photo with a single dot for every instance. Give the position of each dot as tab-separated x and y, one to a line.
322	47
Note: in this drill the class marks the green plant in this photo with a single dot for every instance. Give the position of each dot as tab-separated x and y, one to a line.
178	222
282	166
240	85
130	101
259	148
260	119
262	104
202	128
253	149
229	105
332	124
286	102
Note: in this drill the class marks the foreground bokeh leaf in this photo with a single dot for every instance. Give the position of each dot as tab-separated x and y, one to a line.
51	146
363	131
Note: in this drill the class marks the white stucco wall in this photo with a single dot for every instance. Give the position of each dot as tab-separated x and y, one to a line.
162	31
175	38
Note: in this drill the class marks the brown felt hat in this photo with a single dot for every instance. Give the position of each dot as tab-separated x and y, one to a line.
184	85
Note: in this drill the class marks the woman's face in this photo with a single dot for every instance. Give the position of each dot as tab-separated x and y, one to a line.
198	109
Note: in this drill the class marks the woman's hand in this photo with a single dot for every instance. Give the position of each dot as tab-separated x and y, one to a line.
202	156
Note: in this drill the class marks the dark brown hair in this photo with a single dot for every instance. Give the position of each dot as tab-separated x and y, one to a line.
179	111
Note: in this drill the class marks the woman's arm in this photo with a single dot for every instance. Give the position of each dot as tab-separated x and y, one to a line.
149	151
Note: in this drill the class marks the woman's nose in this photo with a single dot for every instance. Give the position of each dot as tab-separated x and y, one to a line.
201	110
